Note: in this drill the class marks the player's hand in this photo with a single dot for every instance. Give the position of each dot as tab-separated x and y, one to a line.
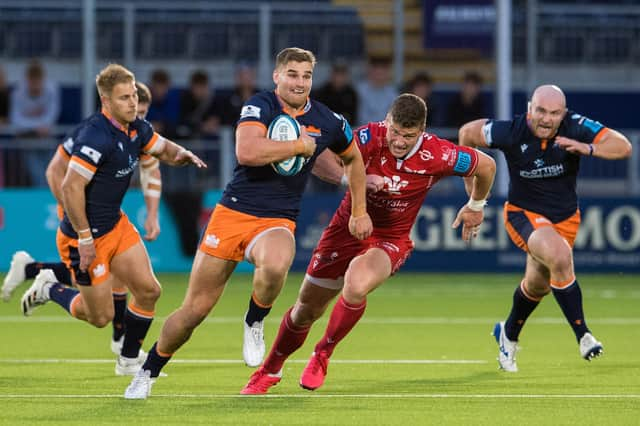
375	183
360	227
309	143
87	255
470	220
151	227
572	145
184	157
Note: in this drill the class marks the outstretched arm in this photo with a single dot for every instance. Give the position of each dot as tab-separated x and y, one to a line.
612	146
176	155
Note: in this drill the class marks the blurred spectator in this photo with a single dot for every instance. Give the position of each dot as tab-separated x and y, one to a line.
338	93
196	106
4	98
468	104
245	87
422	85
165	105
376	93
33	111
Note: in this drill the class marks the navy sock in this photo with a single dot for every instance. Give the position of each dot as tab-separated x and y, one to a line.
570	300
59	269
120	307
155	362
521	308
136	328
63	295
256	312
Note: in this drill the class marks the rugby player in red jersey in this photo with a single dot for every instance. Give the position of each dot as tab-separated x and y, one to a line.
255	218
543	150
403	163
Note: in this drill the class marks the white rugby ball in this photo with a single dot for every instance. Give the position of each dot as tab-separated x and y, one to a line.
286	128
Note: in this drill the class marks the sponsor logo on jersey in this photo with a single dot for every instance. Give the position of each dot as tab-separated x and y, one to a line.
539	162
543	172
211	241
133	162
250	111
463	164
364	136
425	155
91	153
383	160
524	147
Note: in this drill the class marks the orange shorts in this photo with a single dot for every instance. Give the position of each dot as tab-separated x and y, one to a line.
230	234
123	236
521	223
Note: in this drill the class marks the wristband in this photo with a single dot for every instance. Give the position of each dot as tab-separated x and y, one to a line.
85	241
344	181
591	150
476	205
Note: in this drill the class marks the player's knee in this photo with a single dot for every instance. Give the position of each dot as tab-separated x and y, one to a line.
561	262
149	294
537	289
305	314
100	320
276	271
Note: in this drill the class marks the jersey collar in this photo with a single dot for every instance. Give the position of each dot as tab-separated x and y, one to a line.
415	148
114	122
286	109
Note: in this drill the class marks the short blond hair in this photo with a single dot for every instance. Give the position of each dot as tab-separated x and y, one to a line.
295	54
111	75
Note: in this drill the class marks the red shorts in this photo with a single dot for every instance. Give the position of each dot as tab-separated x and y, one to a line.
122	237
337	247
231	234
521	223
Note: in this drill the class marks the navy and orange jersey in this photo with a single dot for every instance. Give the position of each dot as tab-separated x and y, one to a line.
106	154
260	191
542	175
407	181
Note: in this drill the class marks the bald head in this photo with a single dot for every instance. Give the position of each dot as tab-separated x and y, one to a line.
547	108
549	94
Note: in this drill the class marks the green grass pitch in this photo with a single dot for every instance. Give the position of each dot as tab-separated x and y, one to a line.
422	354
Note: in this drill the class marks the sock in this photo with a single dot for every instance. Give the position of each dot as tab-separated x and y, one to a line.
343	318
120	307
256	311
155	361
59	269
63	296
136	324
570	300
523	305
290	338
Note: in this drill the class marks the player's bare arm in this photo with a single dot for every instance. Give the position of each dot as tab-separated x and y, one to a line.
73	197
176	155
329	168
151	183
254	149
56	170
360	224
612	146
472	135
471	214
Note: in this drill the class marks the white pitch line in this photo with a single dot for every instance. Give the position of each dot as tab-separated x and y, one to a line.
237	361
331	396
372	320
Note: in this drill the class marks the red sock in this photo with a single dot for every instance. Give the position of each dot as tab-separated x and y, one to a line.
343	318
290	338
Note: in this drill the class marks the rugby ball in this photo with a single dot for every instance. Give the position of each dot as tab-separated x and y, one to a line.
285	128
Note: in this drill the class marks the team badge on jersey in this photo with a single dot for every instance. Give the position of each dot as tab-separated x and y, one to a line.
91	153
464	162
250	111
364	136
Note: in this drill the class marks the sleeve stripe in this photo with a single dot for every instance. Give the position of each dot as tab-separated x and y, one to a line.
599	135
349	148
63	152
253	123
81	170
155	144
90	167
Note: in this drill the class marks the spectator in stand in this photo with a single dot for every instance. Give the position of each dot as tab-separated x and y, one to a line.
376	93
196	104
245	87
421	85
165	108
34	110
467	105
338	93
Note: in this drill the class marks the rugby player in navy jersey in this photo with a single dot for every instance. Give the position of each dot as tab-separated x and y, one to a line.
543	150
24	267
403	163
255	218
95	238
